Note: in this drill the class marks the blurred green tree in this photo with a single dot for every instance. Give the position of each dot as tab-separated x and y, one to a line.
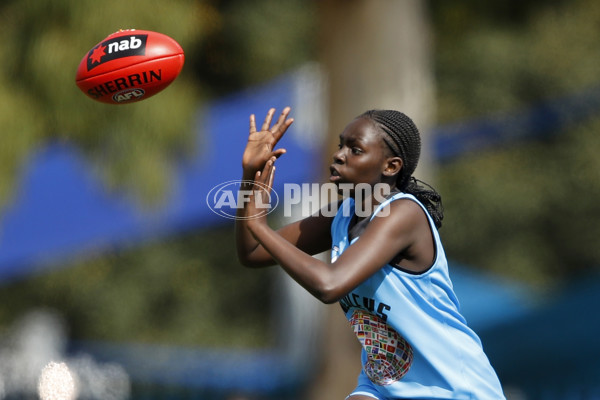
527	210
43	42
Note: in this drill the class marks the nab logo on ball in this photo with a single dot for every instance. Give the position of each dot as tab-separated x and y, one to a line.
124	46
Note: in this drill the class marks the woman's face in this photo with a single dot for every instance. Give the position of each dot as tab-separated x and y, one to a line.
362	155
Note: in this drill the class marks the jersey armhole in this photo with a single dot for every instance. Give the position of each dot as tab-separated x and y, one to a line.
433	239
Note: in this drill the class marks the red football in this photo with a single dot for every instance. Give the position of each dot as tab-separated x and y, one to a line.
129	65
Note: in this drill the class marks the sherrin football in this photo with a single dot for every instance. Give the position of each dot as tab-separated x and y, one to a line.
129	65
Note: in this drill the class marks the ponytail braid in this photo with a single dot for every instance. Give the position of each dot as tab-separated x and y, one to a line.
429	197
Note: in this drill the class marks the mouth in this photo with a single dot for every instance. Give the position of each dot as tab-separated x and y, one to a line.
335	174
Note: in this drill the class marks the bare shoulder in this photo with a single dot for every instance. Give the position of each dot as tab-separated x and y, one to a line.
409	232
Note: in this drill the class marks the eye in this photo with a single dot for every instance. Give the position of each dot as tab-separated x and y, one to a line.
356	150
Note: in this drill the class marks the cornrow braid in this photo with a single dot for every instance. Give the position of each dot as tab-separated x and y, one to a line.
403	138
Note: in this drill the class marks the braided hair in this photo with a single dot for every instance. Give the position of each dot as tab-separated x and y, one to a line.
403	139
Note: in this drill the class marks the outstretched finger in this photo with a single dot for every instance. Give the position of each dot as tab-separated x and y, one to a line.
281	119
262	176
267	123
252	123
282	129
271	178
267	173
278	153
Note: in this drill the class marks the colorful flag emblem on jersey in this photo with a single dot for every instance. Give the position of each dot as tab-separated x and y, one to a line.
389	356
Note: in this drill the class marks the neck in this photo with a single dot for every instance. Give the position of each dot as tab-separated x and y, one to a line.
366	201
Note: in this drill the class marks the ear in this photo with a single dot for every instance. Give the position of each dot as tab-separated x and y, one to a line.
392	166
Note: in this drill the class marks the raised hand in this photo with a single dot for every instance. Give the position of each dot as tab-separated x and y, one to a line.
260	196
261	144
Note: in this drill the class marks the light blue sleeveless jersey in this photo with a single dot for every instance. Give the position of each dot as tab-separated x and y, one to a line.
415	343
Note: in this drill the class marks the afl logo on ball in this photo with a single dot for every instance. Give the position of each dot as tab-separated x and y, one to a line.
119	47
128	95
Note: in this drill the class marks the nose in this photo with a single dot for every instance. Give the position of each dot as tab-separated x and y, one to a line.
338	156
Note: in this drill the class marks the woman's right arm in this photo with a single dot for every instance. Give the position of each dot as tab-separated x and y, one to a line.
311	235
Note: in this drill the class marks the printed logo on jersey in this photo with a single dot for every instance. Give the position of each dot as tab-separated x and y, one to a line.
354	300
389	356
119	47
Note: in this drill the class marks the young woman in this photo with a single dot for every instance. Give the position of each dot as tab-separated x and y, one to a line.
388	269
